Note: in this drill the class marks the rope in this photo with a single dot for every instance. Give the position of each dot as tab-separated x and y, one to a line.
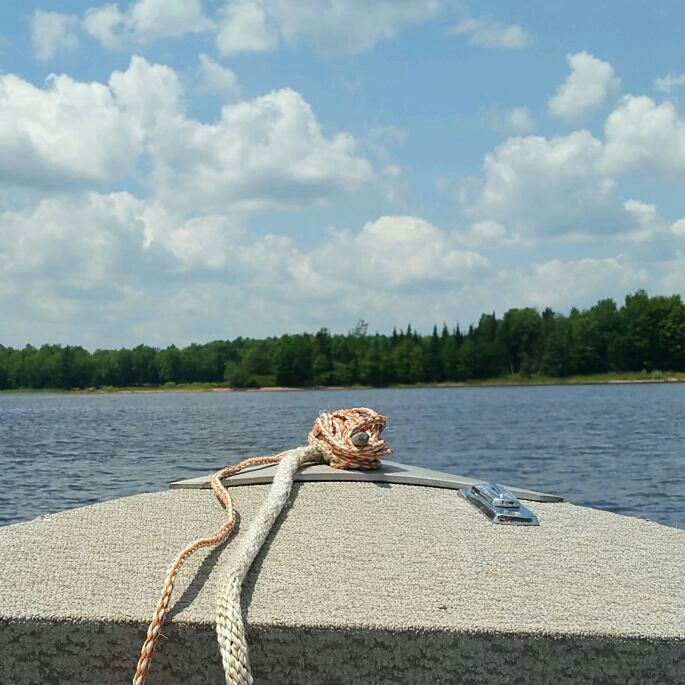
347	438
229	622
334	434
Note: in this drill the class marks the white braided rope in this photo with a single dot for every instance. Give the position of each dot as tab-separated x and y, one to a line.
229	620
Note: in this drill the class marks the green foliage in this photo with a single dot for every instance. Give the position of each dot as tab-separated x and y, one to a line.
645	337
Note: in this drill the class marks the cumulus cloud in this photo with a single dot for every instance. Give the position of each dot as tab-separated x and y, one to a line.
667	84
535	185
393	253
113	256
672	275
645	220
331	26
261	154
86	240
678	227
216	247
488	235
240	26
392	268
144	21
105	24
517	121
205	241
643	136
150	93
64	134
591	83
167	266
562	284
75	242
268	152
490	33
243	26
108	269
217	78
138	272
567	187
150	20
52	32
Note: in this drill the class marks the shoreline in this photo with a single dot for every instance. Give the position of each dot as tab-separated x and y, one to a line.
603	379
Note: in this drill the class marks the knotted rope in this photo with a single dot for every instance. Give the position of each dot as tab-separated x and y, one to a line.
345	439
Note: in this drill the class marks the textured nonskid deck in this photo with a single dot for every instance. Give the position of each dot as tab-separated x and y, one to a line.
358	582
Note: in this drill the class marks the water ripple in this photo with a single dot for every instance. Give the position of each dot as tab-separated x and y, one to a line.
618	448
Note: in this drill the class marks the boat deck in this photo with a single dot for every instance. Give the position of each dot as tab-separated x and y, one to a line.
358	582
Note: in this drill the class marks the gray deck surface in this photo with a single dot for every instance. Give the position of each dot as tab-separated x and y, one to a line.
358	582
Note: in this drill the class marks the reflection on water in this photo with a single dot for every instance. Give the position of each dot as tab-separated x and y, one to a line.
619	448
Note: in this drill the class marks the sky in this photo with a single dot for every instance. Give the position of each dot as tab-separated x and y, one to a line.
177	171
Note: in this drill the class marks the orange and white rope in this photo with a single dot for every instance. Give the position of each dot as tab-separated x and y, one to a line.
332	440
333	433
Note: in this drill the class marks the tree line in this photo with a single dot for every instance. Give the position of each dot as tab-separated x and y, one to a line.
644	334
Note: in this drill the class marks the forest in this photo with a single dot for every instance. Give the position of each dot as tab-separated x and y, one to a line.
644	334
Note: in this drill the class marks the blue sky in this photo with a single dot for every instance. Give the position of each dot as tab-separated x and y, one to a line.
177	171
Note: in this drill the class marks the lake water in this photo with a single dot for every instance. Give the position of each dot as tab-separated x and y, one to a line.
619	448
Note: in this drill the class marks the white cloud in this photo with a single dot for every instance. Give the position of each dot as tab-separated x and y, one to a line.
678	227
490	33
646	137
350	26
265	153
110	269
77	242
649	230
144	21
590	84
567	187
669	83
392	252
214	243
535	186
268	152
517	121
204	241
80	241
646	219
330	26
672	275
150	93
391	175
489	234
244	27
488	230
151	20
562	284
217	78
105	24
644	212
52	32
67	133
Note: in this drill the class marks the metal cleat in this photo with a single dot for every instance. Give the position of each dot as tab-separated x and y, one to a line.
499	505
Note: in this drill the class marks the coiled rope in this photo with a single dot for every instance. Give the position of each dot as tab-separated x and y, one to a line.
345	439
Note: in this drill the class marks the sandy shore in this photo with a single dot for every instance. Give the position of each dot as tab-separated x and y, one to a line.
494	383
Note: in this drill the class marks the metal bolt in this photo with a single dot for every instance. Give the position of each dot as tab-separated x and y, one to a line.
360	439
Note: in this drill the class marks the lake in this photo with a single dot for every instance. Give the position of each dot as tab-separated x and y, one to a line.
615	447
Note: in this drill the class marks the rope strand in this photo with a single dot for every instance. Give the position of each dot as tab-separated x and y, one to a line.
345	439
